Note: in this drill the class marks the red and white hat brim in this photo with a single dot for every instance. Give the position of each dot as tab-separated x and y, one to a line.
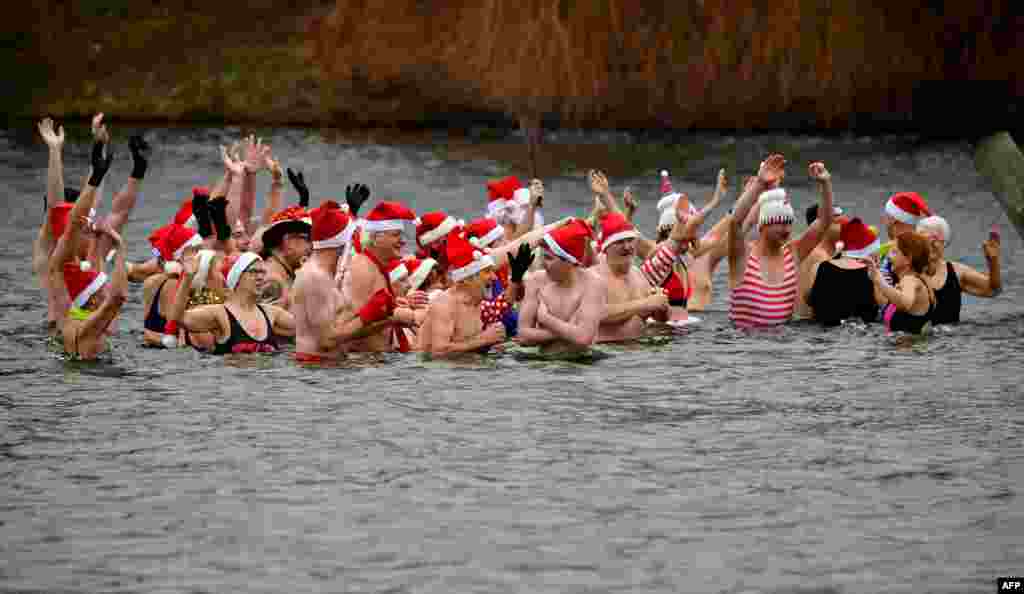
620	236
193	241
422	271
865	252
439	232
203	273
339	240
899	214
384	225
90	290
474	267
490	237
557	249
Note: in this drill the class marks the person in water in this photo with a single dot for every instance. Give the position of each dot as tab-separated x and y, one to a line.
950	280
453	322
901	213
565	302
763	278
911	301
828	248
286	245
381	240
323	320
840	286
174	243
631	299
241	324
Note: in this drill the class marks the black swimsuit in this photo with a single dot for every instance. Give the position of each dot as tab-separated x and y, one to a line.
239	341
841	293
154	321
948	299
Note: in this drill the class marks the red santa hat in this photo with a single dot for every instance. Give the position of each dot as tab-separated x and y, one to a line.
236	264
388	216
569	241
419	269
82	282
616	227
775	208
500	193
907	207
859	241
396	269
60	214
332	226
434	226
171	241
464	259
293	219
184	216
483	232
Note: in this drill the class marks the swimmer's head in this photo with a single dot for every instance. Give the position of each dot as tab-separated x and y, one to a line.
468	266
902	212
911	252
618	237
242	239
936	229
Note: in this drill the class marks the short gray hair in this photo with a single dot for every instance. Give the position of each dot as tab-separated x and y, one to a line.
932	226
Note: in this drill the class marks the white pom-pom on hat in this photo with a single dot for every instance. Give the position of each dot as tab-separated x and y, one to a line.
664	173
169	341
417	221
85	266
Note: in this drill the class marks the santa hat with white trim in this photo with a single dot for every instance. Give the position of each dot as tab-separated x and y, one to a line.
464	259
434	226
171	241
569	242
615	227
332	226
859	241
82	282
775	208
500	193
388	216
484	231
235	265
907	207
419	269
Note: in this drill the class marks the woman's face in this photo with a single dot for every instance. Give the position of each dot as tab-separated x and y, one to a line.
253	278
900	261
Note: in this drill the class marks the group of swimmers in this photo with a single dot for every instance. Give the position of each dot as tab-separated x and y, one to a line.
221	282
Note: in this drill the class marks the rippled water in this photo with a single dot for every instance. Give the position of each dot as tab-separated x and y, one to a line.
703	460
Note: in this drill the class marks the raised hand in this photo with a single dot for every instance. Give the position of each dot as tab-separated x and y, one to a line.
275	168
54	140
231	164
818	172
723	182
99	130
520	263
598	183
536	193
991	248
355	196
100	165
256	154
299	182
138	147
772	170
629	200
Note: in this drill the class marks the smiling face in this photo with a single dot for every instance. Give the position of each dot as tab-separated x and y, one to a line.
388	244
479	282
253	279
621	252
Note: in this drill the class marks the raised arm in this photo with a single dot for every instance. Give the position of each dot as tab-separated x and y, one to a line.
768	175
234	190
813	234
123	203
599	185
98	322
978	284
205	318
67	246
256	154
500	253
55	168
902	295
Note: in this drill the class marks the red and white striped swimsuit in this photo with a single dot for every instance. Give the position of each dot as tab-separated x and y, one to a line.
755	303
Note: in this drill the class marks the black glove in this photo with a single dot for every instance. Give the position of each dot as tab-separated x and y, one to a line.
219	216
355	196
520	263
100	166
300	186
201	210
138	148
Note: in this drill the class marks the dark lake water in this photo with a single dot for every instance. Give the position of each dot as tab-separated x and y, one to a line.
702	460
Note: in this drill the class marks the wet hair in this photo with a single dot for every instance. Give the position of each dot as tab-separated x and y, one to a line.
915	247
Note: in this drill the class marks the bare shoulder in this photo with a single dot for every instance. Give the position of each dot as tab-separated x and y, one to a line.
537	278
593	279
